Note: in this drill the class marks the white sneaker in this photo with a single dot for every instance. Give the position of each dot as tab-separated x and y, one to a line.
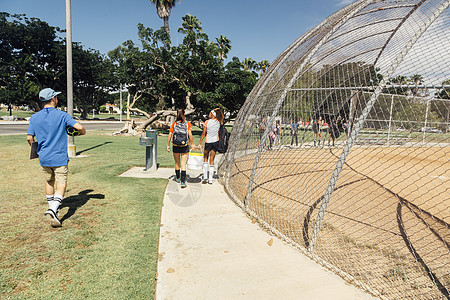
52	217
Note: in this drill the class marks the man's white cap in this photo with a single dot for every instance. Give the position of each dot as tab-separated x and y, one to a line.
47	94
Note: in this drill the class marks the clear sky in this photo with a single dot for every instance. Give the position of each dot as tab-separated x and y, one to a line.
260	29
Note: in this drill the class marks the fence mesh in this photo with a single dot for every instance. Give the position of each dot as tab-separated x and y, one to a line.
343	147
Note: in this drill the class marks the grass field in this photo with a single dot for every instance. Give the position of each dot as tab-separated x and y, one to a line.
107	247
102	116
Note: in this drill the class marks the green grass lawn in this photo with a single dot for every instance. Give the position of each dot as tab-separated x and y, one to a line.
17	113
108	245
100	116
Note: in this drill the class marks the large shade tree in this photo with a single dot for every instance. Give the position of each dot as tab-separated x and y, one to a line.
32	57
93	79
191	75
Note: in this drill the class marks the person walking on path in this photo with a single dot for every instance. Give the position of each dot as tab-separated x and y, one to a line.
48	126
211	132
294	132
180	134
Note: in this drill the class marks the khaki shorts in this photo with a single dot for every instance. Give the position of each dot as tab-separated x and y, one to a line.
57	173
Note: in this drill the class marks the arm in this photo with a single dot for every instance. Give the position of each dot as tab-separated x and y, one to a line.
168	141
80	128
202	137
191	139
30	139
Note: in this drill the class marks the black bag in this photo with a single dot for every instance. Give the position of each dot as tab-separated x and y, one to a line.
223	139
180	134
336	131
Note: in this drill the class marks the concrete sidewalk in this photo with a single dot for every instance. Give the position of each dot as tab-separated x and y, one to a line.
209	249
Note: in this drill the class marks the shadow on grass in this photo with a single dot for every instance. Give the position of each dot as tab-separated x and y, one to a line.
85	150
77	201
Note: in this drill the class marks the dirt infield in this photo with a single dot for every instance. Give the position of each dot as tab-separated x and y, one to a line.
387	223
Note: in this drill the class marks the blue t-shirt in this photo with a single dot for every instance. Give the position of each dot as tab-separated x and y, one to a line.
49	127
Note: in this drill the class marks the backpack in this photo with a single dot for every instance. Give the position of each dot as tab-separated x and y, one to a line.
223	139
180	134
335	130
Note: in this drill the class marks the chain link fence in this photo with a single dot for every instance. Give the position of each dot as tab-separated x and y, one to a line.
343	146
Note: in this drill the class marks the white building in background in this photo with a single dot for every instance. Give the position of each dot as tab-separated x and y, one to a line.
111	108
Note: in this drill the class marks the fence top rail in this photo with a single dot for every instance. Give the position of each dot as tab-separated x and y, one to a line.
405	86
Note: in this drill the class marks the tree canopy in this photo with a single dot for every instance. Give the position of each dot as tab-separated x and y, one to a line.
159	77
33	56
192	75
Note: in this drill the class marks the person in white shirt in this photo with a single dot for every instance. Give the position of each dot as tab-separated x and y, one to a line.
211	132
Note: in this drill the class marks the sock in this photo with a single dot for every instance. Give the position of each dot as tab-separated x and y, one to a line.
177	174
183	176
54	205
314	143
205	170
319	142
211	172
49	200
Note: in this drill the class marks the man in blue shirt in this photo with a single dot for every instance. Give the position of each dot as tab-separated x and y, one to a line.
49	127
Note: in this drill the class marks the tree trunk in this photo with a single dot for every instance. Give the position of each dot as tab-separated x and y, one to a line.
166	26
189	105
163	11
128	105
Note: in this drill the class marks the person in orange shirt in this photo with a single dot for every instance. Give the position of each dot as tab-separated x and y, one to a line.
180	135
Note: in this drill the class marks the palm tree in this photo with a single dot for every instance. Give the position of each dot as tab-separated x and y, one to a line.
191	25
163	8
249	64
399	80
417	79
224	45
263	65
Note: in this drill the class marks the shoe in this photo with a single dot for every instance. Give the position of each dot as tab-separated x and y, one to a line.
204	180
178	180
183	185
210	182
52	217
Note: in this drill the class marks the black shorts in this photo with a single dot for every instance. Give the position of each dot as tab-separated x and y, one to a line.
182	149
211	146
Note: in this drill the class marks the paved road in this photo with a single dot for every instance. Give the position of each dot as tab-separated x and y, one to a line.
21	127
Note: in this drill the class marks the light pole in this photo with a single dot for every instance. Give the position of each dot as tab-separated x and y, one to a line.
120	92
71	140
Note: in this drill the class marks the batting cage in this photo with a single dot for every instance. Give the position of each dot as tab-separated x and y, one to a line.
342	148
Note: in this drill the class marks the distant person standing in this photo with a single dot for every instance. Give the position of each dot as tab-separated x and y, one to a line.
345	125
180	134
333	132
316	128
294	132
48	126
211	132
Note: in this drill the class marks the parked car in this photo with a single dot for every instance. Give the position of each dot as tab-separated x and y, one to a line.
430	130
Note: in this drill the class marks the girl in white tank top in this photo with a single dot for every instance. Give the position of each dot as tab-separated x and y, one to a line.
211	132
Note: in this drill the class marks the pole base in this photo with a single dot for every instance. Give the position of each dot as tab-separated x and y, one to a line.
72	150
